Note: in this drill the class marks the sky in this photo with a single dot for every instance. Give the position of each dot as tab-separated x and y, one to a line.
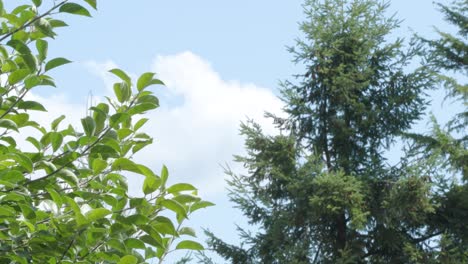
221	61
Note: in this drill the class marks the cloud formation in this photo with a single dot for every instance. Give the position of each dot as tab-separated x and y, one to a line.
197	127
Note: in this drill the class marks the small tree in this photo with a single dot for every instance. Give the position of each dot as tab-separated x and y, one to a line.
68	201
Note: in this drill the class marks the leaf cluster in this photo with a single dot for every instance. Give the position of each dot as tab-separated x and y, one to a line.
67	199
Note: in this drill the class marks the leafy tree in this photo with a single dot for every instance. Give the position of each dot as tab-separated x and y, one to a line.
67	201
446	147
321	191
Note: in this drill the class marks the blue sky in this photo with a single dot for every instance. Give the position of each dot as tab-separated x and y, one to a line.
222	61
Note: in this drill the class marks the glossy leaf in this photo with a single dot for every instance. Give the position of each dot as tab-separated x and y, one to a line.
146	79
96	214
189	244
187	231
8	124
179	187
92	3
134	243
75	9
89	125
56	122
54	63
31	105
150	185
122	75
17	76
42	47
175	207
122	92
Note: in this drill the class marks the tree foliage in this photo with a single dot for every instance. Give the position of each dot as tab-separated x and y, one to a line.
446	146
67	200
322	190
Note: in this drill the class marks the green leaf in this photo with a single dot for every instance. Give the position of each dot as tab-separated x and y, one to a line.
12	176
122	75
164	226
187	231
42	47
148	99
118	118
125	164
92	3
37	3
140	123
200	205
129	259
30	61
56	140
186	198
56	122
17	76
104	151
19	119
151	184
89	126
8	124
124	132
23	160
54	63
122	92
19	46
100	113
32	81
47	80
55	23
55	197
189	244
7	211
68	176
141	108
179	187
146	79
35	142
96	214
99	165
175	207
136	219
151	241
73	205
31	105
75	9
134	243
44	26
116	244
164	175
28	212
9	140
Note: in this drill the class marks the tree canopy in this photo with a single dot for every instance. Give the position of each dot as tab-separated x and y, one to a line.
67	199
322	191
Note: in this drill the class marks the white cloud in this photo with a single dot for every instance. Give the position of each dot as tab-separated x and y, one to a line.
201	133
102	71
196	129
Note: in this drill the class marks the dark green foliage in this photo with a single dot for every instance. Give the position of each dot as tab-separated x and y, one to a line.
322	191
447	146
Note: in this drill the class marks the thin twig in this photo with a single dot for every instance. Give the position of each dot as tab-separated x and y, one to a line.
33	20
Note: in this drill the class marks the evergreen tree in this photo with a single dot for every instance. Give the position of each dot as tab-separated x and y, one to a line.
446	147
322	191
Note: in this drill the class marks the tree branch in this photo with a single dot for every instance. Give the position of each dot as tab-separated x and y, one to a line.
33	20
